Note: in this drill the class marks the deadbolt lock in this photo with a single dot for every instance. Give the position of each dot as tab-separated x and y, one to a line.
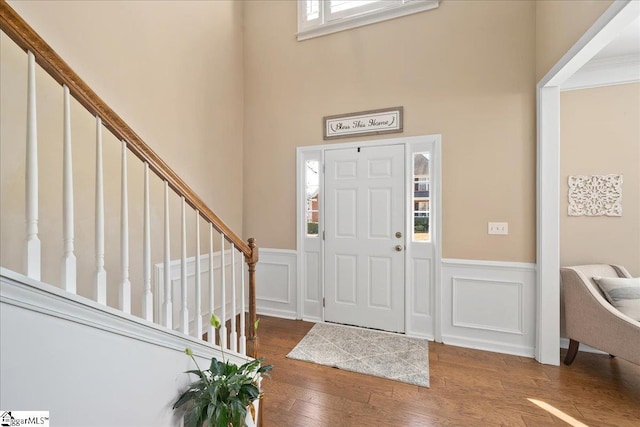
398	234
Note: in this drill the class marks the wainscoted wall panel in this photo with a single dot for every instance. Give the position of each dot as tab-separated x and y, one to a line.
81	335
421	303
276	286
278	273
312	286
158	288
467	313
489	305
312	267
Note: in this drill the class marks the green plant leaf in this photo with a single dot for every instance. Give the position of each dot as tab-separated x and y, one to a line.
239	410
256	324
251	391
187	396
220	395
221	416
197	372
191	418
213	391
265	368
211	410
217	367
230	369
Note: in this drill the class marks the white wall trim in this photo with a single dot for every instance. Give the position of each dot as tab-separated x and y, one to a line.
277	283
274	312
312	310
620	14
615	19
487	345
268	283
505	265
489	305
29	294
308	31
175	268
605	72
46	332
455	312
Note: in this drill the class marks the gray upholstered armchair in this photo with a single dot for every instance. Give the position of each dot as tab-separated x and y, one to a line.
591	319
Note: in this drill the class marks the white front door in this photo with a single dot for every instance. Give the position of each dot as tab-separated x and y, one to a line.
364	237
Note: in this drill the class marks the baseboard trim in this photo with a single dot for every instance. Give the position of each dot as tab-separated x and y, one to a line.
420	336
272	312
491	346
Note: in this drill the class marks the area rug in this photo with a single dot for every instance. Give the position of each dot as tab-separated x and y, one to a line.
366	351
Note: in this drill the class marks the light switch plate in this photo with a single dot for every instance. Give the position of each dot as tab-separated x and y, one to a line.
498	228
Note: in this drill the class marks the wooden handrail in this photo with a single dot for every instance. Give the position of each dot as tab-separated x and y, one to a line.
24	36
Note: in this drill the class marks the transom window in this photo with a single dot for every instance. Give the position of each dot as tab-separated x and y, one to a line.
320	17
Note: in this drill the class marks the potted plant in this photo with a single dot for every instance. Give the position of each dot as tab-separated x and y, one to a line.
223	394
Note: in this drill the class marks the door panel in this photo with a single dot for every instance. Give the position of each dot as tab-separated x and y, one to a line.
365	208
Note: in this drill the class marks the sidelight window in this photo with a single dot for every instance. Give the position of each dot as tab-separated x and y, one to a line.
421	197
312	189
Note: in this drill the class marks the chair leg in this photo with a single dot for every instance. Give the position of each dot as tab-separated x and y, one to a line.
572	352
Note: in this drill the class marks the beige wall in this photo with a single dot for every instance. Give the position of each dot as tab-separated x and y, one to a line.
174	71
600	133
202	81
559	24
465	70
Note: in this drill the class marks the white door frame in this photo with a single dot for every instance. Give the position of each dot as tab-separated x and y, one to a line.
318	152
620	14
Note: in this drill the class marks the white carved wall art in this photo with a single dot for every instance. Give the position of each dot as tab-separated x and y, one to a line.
595	195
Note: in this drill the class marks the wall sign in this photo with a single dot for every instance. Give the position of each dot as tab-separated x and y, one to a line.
373	122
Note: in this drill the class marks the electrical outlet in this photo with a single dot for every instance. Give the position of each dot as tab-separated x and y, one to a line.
498	228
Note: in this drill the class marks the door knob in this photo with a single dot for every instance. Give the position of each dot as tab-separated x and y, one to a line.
399	248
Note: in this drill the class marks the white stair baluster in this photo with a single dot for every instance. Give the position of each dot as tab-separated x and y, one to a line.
198	295
100	278
223	297
124	291
68	258
211	331
32	244
167	304
147	295
234	335
184	310
243	337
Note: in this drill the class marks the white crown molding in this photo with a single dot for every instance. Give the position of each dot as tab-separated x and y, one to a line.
605	72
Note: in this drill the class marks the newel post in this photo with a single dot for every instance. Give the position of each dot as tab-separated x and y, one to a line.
252	261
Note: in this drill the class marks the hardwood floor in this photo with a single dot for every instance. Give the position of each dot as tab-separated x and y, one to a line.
468	388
